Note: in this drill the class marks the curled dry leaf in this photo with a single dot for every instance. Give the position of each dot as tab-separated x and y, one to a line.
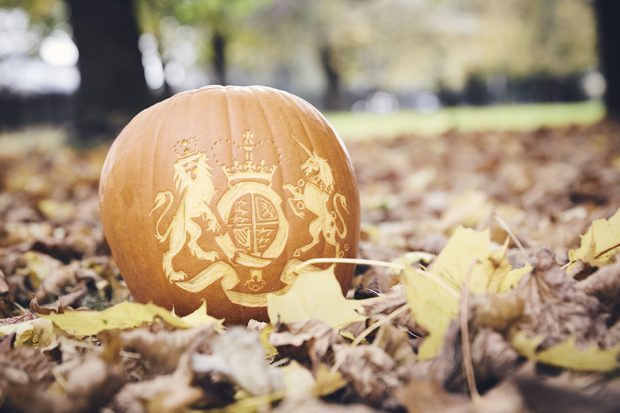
603	284
556	309
387	304
162	348
395	342
163	394
22	368
238	354
308	342
87	386
36	266
371	372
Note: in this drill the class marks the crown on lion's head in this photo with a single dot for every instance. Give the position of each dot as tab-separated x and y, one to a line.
191	165
186	147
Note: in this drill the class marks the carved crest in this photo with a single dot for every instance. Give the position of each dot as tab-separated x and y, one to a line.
255	229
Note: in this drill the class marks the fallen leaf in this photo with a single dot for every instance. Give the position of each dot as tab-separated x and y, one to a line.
371	371
490	270
599	244
307	342
121	316
300	383
239	355
434	295
554	307
315	294
162	348
200	317
37	266
37	332
163	394
567	354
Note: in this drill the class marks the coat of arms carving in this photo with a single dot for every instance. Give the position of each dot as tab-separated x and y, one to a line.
248	222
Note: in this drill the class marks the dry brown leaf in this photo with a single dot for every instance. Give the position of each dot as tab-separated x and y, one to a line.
162	348
308	342
164	394
371	372
239	355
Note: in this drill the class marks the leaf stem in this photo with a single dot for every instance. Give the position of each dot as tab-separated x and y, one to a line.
465	344
439	281
360	261
400	310
513	237
600	254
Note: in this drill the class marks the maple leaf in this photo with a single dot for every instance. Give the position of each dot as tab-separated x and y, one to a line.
200	317
315	294
599	244
123	316
567	354
434	295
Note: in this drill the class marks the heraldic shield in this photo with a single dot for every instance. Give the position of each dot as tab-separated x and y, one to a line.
254	229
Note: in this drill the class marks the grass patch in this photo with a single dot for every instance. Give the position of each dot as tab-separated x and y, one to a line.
465	118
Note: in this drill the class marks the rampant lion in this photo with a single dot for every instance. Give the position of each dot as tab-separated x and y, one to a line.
193	182
313	194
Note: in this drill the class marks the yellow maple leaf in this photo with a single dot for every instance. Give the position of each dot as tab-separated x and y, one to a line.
434	295
122	316
600	243
315	294
201	317
567	354
433	305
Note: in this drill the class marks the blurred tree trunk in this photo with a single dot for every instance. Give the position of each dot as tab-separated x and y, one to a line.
113	87
608	16
219	42
332	97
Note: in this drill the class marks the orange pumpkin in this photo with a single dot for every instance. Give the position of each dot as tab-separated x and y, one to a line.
220	193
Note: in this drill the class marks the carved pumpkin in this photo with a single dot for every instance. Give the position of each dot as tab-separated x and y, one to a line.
219	193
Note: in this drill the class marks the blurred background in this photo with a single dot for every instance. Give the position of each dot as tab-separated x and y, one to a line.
421	65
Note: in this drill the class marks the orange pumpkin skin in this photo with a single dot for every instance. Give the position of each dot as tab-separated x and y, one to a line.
219	193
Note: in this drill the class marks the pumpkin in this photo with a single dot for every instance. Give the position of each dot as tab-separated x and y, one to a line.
219	194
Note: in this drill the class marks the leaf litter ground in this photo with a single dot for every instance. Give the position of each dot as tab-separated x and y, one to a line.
488	299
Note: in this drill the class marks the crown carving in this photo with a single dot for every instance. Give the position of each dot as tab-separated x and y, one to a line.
248	169
186	147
